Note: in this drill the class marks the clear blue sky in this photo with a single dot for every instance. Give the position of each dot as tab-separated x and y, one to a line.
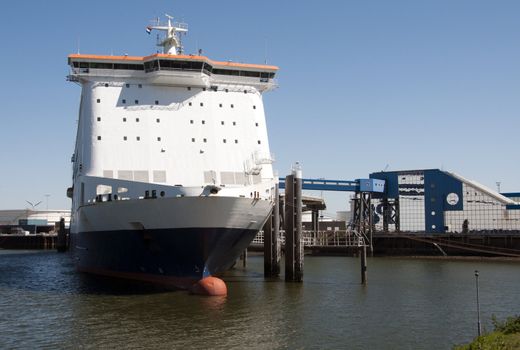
412	84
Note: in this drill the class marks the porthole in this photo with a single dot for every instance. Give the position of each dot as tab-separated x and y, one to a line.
99	137
234	123
124	138
139	86
98	100
189	103
158	120
138	138
106	85
136	102
137	120
232	106
204	140
159	139
236	141
224	140
203	122
434	227
259	142
156	102
433	213
256	124
123	101
254	107
98	119
202	104
127	85
221	122
220	105
191	121
124	119
192	139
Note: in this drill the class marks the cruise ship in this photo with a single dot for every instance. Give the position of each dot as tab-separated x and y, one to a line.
172	172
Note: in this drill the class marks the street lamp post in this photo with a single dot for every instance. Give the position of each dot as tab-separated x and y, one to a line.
478	304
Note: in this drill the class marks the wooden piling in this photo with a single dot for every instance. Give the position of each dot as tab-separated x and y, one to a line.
61	242
272	239
293	227
289	228
363	259
298	234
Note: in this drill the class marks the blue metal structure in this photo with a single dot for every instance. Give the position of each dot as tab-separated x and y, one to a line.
359	185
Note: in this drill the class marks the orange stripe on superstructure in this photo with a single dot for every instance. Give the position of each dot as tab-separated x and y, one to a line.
176	57
107	58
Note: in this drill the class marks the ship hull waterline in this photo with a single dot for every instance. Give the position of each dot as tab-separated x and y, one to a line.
172	256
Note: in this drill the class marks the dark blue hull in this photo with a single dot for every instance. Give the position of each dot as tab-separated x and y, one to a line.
178	257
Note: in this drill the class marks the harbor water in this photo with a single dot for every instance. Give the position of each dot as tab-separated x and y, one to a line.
407	304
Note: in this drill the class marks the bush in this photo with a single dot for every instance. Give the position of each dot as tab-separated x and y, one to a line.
510	326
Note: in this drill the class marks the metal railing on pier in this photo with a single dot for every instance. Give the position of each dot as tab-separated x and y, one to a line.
337	238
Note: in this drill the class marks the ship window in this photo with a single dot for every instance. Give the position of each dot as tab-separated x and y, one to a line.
191	121
124	101
224	140
192	139
201	104
236	141
227	90
220	105
256	124
189	103
98	100
259	142
156	102
140	86
158	120
189	88
137	120
204	140
106	85
98	119
124	119
99	137
136	102
203	122
203	89
245	91
125	138
159	138
232	106
138	138
234	123
222	122
254	107
127	85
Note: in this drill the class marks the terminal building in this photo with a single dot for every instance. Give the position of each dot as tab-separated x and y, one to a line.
32	221
436	201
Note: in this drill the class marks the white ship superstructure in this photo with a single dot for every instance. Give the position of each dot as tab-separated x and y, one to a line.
162	133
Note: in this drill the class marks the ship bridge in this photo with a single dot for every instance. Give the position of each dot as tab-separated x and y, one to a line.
167	69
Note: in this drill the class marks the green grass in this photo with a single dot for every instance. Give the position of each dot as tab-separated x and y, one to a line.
506	336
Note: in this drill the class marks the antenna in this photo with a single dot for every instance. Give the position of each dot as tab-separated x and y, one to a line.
171	42
265	50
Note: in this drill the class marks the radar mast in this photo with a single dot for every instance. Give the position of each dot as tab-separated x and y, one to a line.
171	42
